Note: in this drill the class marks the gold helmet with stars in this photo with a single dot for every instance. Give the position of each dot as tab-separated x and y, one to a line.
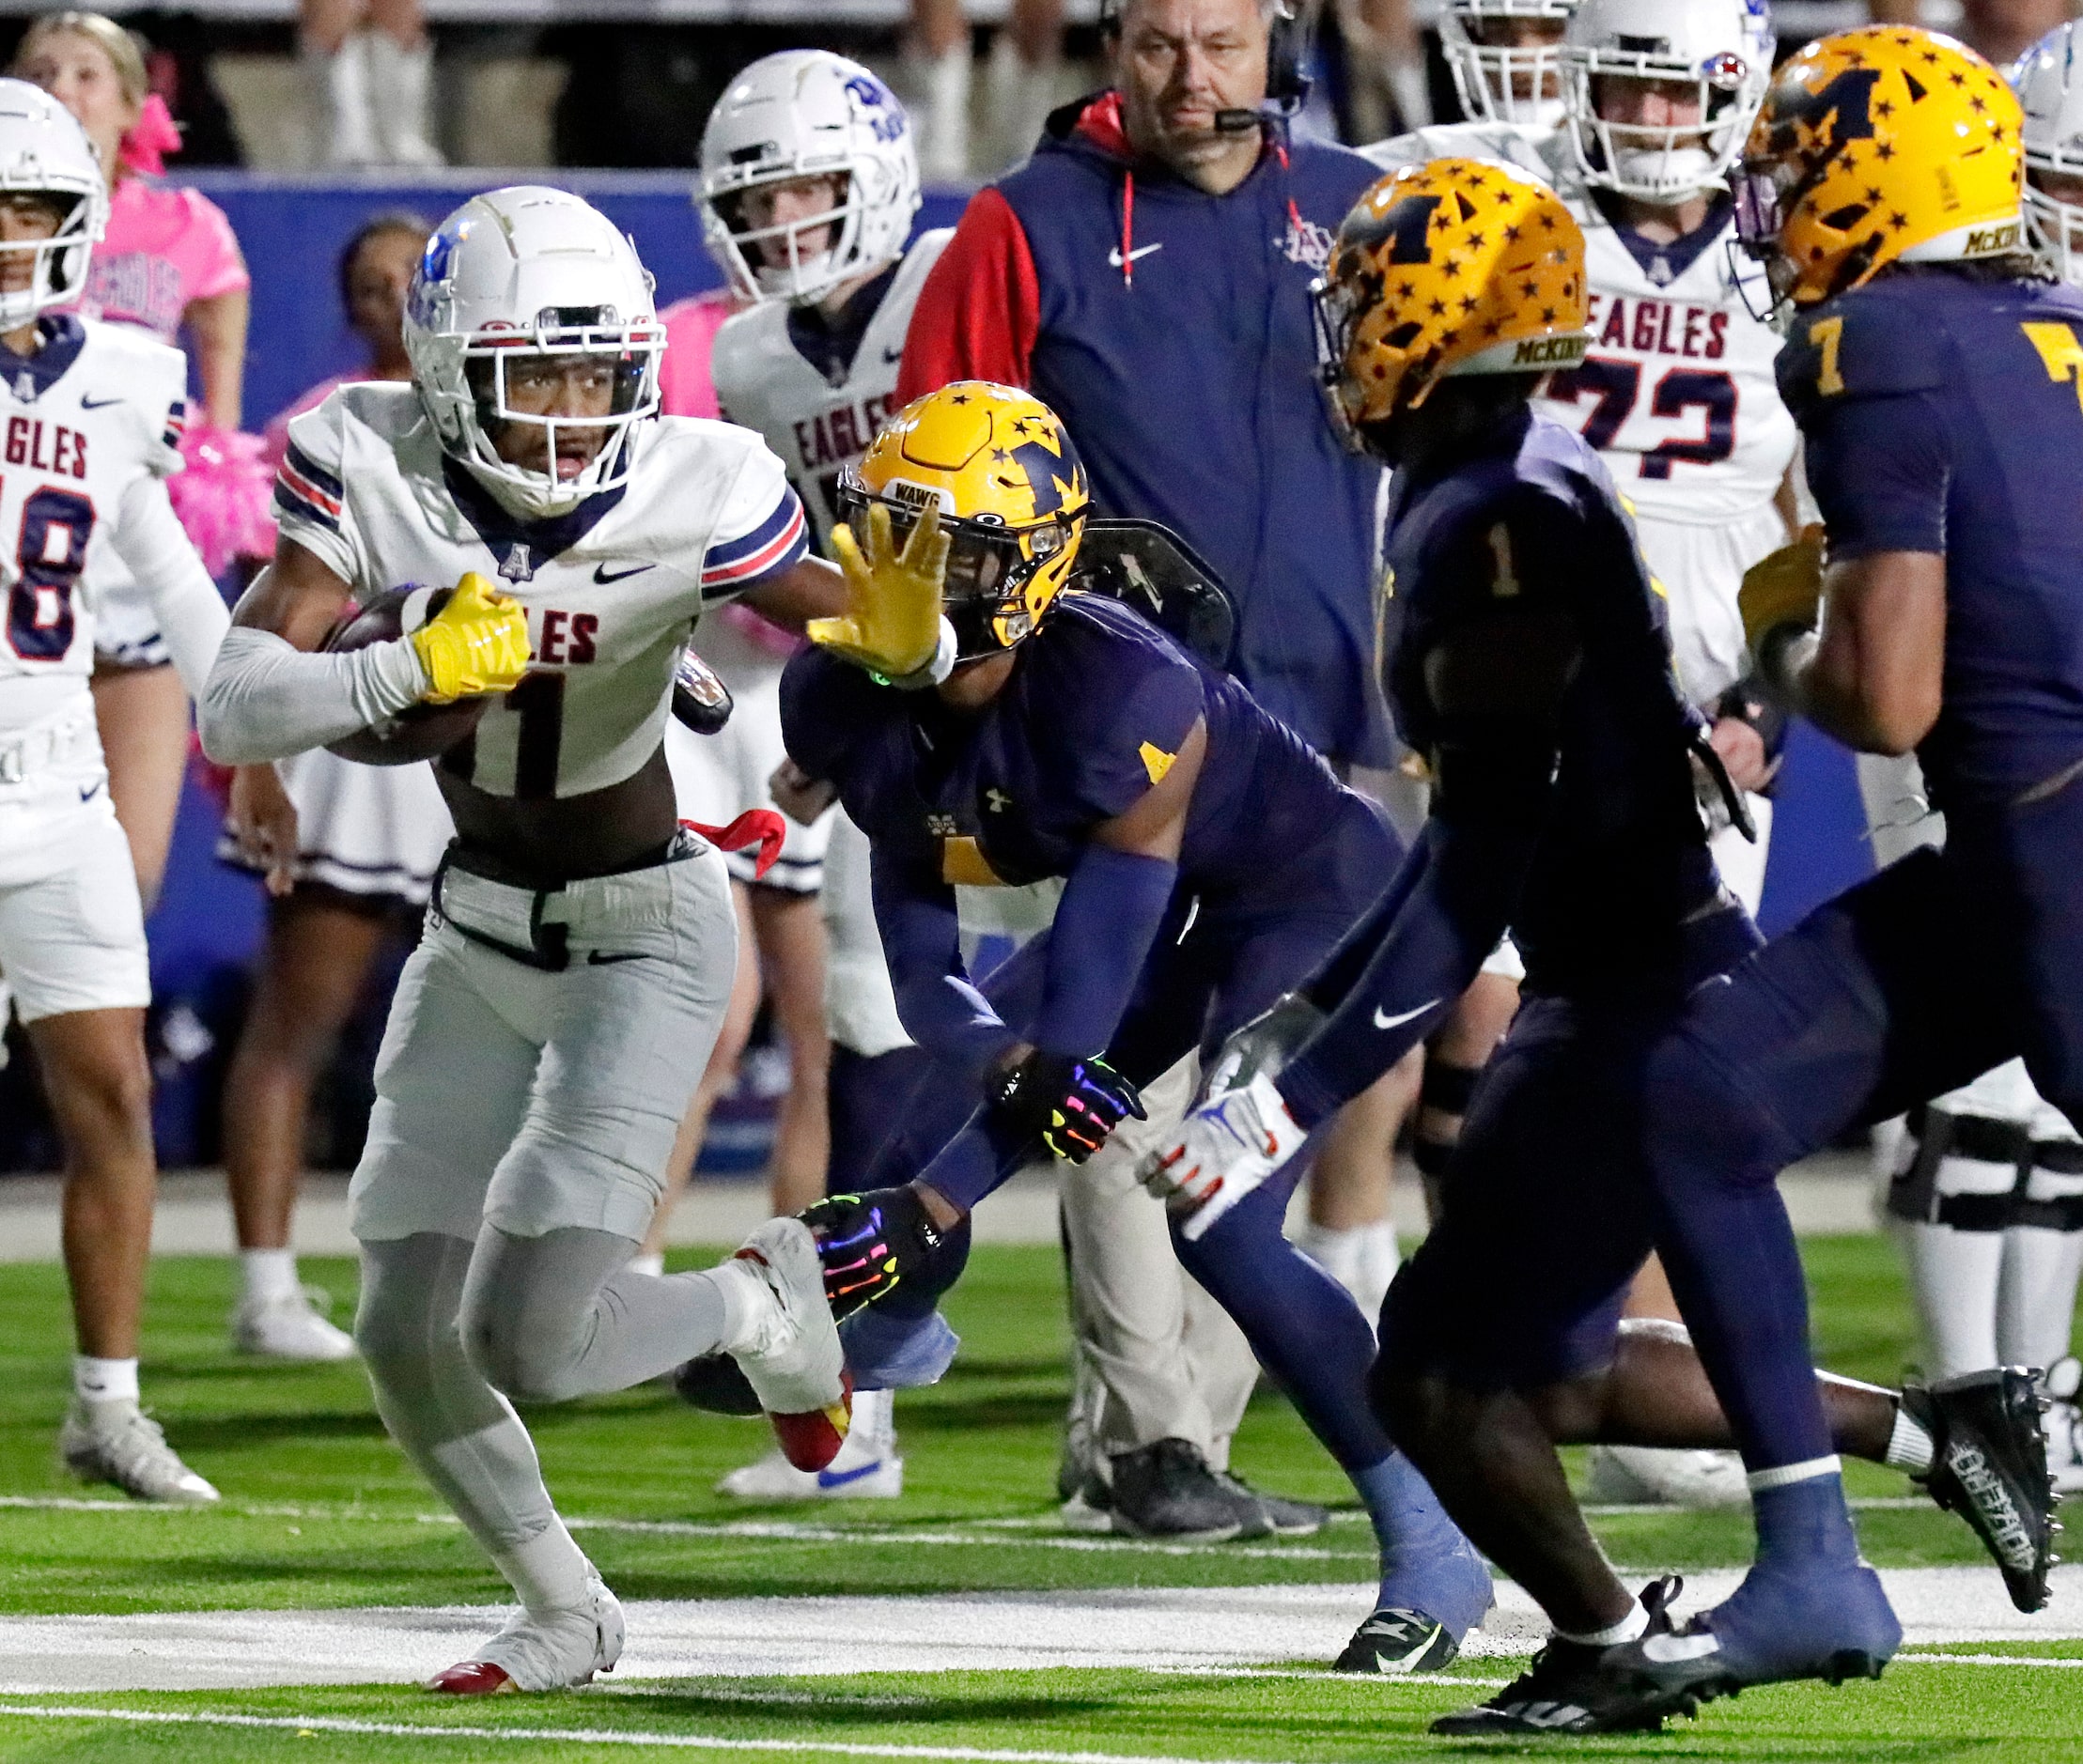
1451	267
1010	490
1886	144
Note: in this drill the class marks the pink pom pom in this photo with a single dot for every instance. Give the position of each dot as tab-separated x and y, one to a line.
223	496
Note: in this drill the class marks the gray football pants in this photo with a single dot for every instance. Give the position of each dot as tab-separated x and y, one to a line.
514	1156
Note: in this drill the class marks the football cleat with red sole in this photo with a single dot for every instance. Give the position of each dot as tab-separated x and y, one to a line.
789	1348
473	1678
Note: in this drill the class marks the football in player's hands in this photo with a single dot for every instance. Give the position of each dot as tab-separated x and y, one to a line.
422	732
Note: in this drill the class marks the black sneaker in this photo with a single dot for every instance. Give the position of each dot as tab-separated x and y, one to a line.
1572	1688
1396	1640
1166	1490
1989	1464
1274	1515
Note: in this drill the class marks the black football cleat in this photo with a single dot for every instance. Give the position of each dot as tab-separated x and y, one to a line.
1571	1689
1394	1640
1989	1464
716	1383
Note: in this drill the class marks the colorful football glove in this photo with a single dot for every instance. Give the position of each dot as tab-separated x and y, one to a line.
891	624
1224	1150
476	644
1785	588
868	1242
1071	1105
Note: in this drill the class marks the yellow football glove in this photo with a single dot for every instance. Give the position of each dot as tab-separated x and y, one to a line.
891	624
476	644
1785	588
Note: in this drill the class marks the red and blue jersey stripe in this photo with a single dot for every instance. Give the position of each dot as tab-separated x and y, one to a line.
772	549
306	488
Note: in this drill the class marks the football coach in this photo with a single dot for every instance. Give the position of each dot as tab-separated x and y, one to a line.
1145	273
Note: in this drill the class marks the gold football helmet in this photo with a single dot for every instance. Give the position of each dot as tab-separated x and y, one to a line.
1009	489
1888	144
1455	267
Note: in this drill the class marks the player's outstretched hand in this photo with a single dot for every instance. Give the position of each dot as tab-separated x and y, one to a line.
1071	1105
868	1242
262	821
891	624
476	644
1785	588
1221	1152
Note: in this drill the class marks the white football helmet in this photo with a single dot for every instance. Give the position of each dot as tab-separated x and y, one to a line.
2050	85
531	271
1720	47
806	112
1496	82
44	152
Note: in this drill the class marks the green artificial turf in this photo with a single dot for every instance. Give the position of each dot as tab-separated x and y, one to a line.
321	1510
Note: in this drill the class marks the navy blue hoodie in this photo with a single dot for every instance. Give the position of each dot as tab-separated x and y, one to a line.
1171	330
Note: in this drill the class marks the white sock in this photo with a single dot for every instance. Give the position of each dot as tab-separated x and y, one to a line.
746	1299
1632	1627
103	1381
340	83
1955	1276
1409	87
266	1277
646	1263
1362	1258
2036	1305
945	124
1909	1446
875	1422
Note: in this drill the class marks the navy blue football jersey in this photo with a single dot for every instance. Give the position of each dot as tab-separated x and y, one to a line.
1097	707
1518	557
1945	414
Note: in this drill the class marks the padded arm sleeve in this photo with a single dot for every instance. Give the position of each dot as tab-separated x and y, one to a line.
920	939
266	700
191	614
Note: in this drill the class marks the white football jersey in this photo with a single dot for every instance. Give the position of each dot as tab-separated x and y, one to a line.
818	425
1677	392
92	416
611	590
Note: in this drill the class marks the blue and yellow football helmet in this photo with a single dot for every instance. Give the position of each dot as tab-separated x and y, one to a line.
996	465
1451	267
1888	144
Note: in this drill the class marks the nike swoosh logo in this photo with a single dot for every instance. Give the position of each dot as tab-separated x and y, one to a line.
607	958
893	356
1117	261
90	793
1384	1021
839	1478
96	403
601	577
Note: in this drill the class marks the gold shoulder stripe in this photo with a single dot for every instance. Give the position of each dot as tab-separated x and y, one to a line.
1155	761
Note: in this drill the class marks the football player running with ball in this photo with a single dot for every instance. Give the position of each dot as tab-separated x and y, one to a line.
1529	663
1211	860
93	417
549	1028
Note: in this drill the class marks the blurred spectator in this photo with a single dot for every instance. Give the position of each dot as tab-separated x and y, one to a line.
168	264
1390	86
1021	84
368	839
2001	29
371	66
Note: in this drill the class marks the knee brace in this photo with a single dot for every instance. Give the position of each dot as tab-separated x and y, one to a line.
1970	1172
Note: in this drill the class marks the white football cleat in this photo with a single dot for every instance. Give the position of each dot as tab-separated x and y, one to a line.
1646	1476
117	1441
866	1468
549	1653
1221	1152
788	1344
288	1327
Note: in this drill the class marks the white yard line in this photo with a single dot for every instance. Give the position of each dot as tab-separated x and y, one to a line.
582	1735
1206	1629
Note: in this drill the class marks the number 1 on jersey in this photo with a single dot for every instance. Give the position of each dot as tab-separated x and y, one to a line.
538	700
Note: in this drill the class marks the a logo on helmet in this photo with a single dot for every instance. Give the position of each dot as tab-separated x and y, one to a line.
885	116
1040	464
1725	72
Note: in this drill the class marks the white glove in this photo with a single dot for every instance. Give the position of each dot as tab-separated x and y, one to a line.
1221	1152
